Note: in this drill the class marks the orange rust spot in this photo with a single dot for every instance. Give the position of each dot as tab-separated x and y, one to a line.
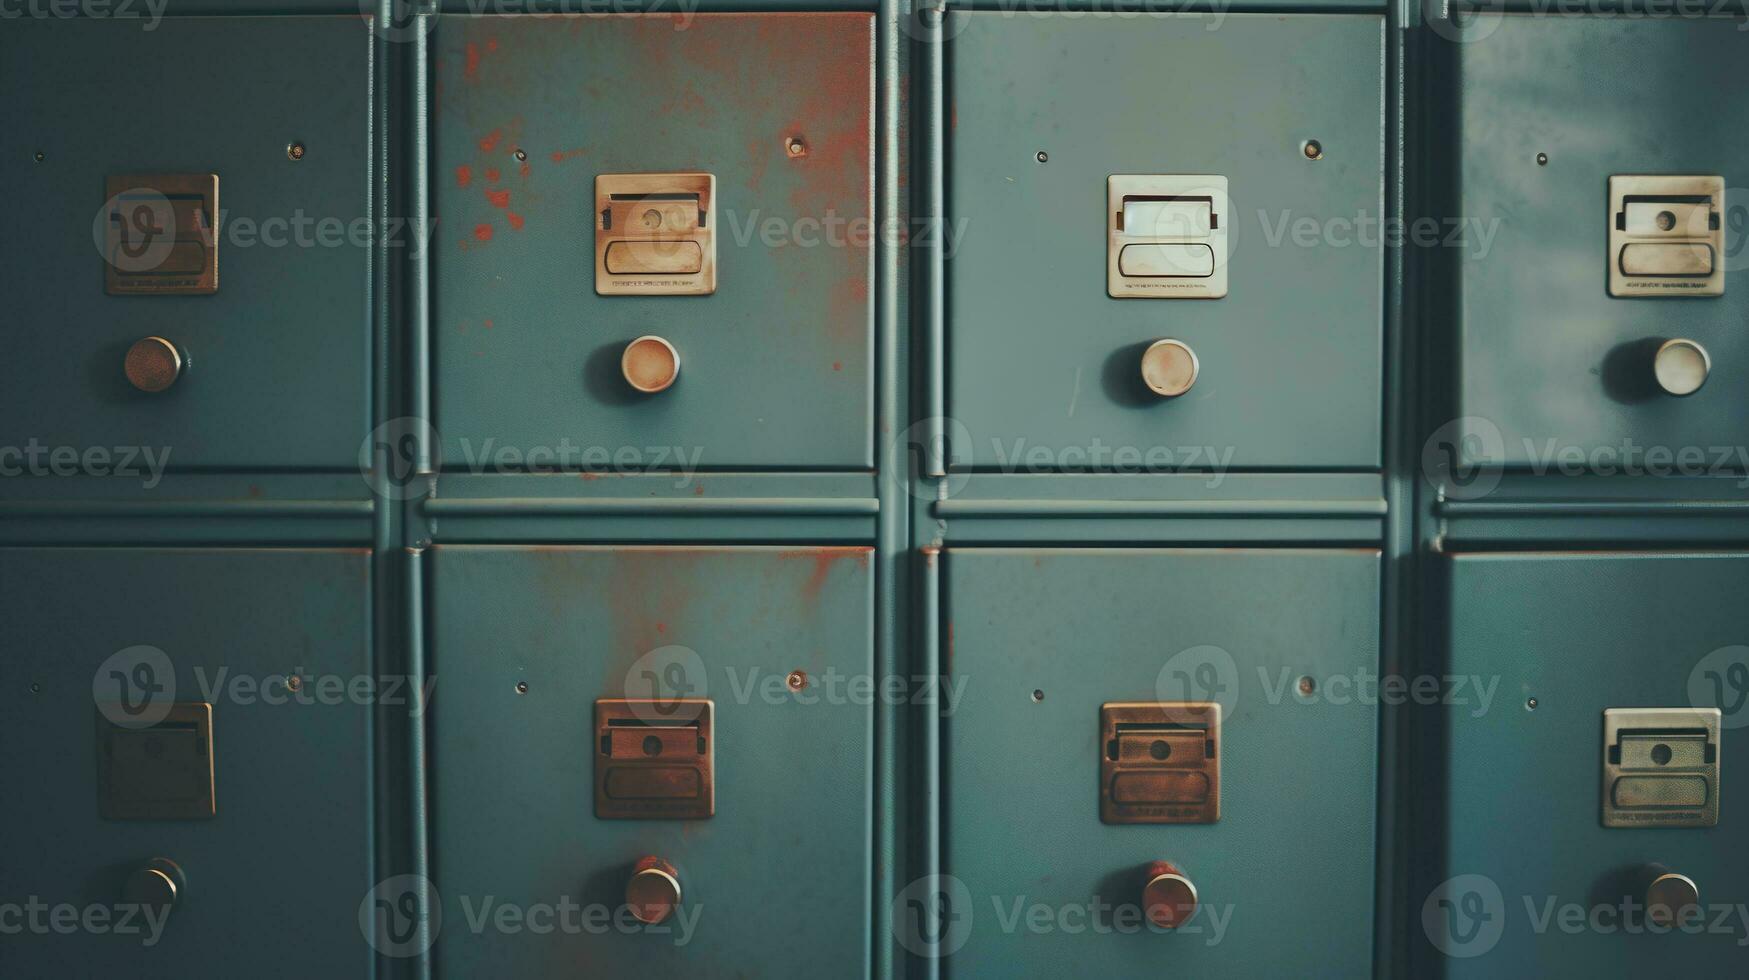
837	365
489	142
698	491
515	220
471	70
483	232
526	170
560	156
464	175
491	44
499	199
661	627
491	175
488	324
824	559
589	477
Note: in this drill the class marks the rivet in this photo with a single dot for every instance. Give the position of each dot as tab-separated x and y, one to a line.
796	146
294	683
522	687
521	154
1044	157
1038	695
796	680
1307	686
1313	150
1530	704
1542	159
41	156
294	151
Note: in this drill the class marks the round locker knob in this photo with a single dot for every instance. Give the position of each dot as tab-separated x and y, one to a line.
153	364
1169	368
1681	366
650	364
159	884
1169	898
653	891
1671	898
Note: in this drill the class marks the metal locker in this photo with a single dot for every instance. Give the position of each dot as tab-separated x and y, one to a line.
1262	123
1561	369
1039	644
198	251
562	668
1536	879
168	782
589	170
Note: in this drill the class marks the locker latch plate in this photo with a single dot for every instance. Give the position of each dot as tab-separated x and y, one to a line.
162	771
1661	767
159	235
654	759
1160	762
655	234
1666	236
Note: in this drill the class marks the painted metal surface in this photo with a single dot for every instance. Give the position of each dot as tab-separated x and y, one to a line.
1550	362
778	365
278	358
1579	633
1040	360
776	882
1038	639
276	876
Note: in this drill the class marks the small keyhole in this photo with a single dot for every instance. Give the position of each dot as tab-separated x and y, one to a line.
1661	754
652	745
1666	221
1160	750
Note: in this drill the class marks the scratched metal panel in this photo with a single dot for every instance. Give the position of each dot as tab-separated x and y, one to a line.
1040	358
1550	362
776	365
777	882
1083	627
1581	633
278	372
276	877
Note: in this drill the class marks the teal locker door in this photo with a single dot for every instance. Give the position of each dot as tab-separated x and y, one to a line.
1038	640
1551	362
1043	109
275	369
526	640
1535	882
110	655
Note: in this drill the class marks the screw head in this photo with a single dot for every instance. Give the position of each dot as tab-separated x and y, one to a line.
1530	704
522	687
1307	686
294	683
796	146
1044	157
1542	159
796	680
294	151
521	154
1313	150
41	156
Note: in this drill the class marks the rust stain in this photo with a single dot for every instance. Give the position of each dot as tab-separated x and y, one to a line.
515	220
490	141
464	175
837	365
824	559
491	175
525	170
483	232
488	324
560	156
471	69
498	199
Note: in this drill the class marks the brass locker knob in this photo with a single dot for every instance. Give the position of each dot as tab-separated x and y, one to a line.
153	364
160	883
1169	898
653	891
650	364
1681	366
1169	368
1670	898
